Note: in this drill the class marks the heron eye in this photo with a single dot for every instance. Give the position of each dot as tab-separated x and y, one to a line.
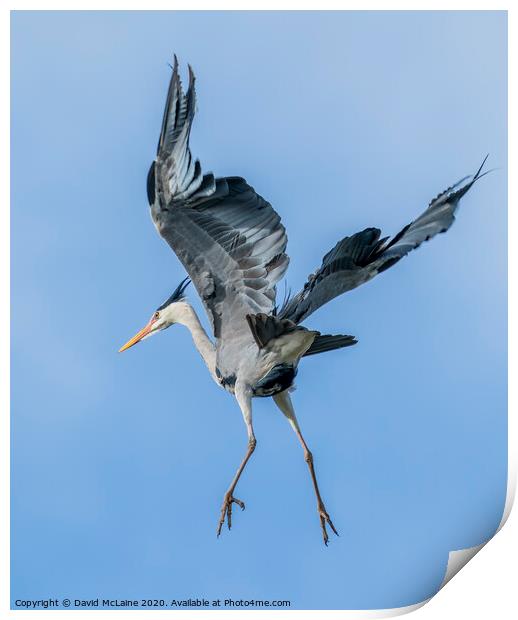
156	315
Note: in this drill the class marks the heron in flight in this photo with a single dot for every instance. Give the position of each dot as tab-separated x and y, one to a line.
233	246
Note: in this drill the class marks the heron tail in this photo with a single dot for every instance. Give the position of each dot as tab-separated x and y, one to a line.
324	343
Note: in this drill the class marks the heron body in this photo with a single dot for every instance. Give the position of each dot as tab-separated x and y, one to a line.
233	246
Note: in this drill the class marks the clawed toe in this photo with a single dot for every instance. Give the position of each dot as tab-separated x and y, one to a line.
325	518
226	511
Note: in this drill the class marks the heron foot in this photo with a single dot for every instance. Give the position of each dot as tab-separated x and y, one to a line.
325	518
226	510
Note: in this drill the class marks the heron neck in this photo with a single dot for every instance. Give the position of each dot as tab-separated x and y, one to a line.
202	342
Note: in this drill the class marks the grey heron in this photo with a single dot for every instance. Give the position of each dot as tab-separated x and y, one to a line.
233	246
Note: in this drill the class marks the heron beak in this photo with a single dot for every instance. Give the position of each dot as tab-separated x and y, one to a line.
138	337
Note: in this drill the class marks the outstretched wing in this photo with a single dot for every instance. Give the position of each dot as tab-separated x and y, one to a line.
356	259
229	239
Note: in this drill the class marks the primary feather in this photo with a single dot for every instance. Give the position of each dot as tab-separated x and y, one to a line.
357	259
233	245
229	239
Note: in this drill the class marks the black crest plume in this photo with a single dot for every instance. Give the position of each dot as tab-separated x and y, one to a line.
178	293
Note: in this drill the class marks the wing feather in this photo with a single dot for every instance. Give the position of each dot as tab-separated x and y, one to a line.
357	259
229	239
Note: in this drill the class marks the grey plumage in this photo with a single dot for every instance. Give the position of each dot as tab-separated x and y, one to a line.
357	259
233	246
229	239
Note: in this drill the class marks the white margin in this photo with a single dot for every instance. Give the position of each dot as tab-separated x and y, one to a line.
457	558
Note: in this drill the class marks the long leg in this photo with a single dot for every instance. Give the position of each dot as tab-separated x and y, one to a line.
244	399
283	401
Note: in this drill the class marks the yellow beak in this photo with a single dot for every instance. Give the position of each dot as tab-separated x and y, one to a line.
138	337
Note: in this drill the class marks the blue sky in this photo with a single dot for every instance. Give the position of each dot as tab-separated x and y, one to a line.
342	121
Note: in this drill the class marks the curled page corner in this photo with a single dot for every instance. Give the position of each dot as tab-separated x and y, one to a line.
459	558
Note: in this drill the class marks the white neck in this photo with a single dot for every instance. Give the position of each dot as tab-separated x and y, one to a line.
188	317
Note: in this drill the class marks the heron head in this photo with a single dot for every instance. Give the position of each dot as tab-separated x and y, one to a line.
163	317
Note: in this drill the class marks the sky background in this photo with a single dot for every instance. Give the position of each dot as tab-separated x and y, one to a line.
342	121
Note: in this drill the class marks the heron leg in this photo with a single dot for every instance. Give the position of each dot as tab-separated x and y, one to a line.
283	401
244	401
